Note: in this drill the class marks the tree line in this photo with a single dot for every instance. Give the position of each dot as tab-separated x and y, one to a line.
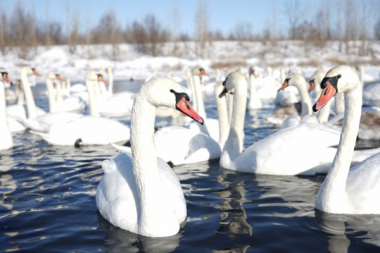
353	25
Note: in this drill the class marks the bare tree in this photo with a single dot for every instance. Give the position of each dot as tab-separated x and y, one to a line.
201	27
47	31
153	30
243	31
293	12
175	27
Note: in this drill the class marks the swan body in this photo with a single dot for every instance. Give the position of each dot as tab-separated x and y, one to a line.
120	104
348	191
305	149
139	192
5	135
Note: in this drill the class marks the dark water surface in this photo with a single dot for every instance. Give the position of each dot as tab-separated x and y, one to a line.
47	204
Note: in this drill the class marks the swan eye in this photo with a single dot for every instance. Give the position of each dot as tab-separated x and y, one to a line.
339	76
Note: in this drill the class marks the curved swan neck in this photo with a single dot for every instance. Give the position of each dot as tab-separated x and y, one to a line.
332	195
193	94
234	144
155	207
198	93
110	81
305	98
92	97
51	96
31	105
221	105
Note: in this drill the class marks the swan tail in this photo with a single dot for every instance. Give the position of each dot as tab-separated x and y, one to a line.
122	148
108	166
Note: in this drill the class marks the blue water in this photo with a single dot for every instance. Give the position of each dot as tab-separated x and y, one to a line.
47	204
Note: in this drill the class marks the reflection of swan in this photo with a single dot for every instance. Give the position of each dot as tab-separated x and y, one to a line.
5	135
336	225
303	149
233	217
352	191
139	192
119	240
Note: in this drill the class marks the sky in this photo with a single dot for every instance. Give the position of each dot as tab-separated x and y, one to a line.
223	14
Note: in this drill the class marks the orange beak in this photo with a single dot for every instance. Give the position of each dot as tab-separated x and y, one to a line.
203	72
286	84
327	93
184	106
36	73
312	85
101	79
60	78
5	78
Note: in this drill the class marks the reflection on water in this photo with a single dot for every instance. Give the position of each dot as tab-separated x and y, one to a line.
47	204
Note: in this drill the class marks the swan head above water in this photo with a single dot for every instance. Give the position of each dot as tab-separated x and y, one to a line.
232	81
95	76
54	76
4	75
166	92
337	80
29	71
293	80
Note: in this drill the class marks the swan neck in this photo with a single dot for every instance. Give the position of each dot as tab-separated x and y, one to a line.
92	97
339	103
224	126
200	105
32	110
332	196
234	144
3	106
252	89
59	92
52	99
193	94
324	113
110	81
145	168
230	106
305	99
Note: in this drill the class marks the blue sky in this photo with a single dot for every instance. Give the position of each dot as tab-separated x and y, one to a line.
223	14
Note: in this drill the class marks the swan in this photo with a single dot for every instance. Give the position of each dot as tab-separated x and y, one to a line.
316	78
305	149
68	104
76	129
211	126
254	100
5	135
115	105
268	86
345	190
299	82
221	106
139	192
19	111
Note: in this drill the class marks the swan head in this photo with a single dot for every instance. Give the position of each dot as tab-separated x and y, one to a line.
167	92
95	76
232	81
251	70
198	71
4	75
312	84
293	80
30	71
316	78
337	80
54	76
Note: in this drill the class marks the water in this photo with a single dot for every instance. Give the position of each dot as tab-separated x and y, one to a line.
47	204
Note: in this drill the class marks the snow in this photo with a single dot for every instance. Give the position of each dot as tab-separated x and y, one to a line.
130	63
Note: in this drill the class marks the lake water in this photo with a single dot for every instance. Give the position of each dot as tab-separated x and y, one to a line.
47	204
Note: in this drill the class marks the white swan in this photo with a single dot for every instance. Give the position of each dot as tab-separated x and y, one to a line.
315	81
300	83
348	191
304	149
5	135
139	192
254	100
70	103
115	105
76	129
19	111
221	106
